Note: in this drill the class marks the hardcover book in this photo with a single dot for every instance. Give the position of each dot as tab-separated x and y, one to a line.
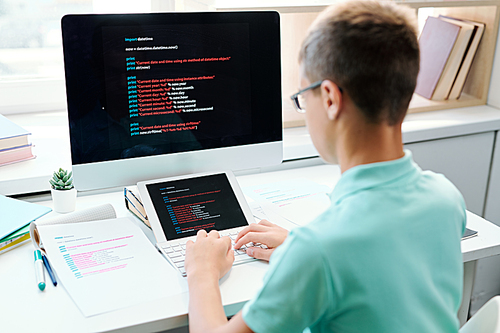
470	53
455	59
11	134
436	44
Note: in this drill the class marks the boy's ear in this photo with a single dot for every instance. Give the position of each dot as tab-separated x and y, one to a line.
332	99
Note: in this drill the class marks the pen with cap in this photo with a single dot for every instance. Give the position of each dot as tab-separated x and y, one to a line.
49	270
40	274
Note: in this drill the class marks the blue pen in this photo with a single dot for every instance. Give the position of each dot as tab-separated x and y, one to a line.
40	273
49	270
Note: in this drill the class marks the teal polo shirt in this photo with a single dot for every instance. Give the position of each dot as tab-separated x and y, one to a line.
385	257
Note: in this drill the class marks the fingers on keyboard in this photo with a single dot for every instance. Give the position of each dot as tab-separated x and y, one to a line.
176	253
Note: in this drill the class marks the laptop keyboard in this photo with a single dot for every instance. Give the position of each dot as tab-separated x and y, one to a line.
177	253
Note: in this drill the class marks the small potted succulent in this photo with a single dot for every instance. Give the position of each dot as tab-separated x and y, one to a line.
63	191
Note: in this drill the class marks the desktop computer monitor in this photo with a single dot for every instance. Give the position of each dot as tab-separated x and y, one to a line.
163	94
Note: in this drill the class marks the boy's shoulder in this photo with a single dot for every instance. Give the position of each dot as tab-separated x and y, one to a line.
440	185
365	215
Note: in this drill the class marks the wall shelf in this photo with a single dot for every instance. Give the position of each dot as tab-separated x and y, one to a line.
295	21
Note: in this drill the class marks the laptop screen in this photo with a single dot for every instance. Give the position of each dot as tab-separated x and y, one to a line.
187	205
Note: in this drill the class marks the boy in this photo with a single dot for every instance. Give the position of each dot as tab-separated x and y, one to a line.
385	257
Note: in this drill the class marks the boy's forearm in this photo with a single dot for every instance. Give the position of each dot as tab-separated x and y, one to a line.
206	312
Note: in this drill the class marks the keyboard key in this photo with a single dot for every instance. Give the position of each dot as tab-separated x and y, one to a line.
178	259
242	258
179	264
176	248
175	254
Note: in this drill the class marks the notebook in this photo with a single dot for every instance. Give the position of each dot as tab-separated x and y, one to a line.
16	214
178	207
469	233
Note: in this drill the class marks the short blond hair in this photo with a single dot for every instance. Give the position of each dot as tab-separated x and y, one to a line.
370	50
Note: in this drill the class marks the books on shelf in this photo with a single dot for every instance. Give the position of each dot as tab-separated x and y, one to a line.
14	145
436	43
463	72
450	71
447	48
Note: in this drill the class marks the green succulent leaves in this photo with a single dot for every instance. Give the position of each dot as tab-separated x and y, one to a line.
62	180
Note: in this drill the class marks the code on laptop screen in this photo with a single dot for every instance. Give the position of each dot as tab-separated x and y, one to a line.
188	205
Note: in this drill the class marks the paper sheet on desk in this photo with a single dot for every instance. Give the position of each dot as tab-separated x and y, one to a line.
108	265
298	201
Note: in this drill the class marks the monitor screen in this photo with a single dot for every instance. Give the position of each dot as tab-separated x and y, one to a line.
191	86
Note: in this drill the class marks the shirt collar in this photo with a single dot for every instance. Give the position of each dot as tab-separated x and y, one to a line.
371	175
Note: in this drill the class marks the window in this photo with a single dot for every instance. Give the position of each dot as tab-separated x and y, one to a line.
31	57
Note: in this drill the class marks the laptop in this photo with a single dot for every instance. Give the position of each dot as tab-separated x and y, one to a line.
178	207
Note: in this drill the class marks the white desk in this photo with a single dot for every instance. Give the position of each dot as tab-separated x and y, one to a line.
25	309
50	134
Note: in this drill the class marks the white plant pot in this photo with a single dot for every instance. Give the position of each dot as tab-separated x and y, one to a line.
64	200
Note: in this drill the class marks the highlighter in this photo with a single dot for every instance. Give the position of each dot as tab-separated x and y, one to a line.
40	273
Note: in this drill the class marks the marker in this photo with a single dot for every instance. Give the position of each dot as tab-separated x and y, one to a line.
40	273
49	270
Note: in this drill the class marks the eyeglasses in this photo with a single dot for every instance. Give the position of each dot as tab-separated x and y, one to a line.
298	100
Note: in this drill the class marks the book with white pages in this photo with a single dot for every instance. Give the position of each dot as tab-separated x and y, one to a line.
178	207
463	72
12	135
450	71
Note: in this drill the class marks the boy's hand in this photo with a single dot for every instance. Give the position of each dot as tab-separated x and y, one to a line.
265	233
209	256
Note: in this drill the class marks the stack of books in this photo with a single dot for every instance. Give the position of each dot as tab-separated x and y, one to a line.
134	204
447	48
14	145
15	222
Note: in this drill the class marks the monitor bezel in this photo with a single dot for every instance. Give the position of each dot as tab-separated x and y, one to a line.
113	173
